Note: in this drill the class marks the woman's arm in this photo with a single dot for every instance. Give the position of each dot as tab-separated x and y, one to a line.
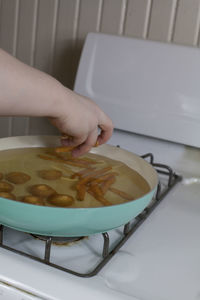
25	91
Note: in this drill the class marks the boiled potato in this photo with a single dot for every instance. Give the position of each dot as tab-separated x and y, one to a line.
33	200
60	200
5	186
50	174
42	190
7	195
18	177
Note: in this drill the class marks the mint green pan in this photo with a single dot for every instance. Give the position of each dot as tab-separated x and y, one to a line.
53	221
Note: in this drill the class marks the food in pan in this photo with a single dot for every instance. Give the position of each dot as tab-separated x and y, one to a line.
52	177
7	195
17	177
63	149
33	200
50	174
60	200
1	176
41	190
5	186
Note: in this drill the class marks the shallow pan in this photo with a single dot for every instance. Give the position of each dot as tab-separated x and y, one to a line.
56	221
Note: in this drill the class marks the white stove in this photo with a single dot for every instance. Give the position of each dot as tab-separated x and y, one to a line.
161	260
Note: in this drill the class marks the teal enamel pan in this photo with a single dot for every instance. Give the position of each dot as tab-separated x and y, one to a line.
54	221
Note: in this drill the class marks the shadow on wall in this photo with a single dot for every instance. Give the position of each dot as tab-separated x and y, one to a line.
66	62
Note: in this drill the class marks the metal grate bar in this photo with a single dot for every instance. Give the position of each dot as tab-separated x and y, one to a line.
1	235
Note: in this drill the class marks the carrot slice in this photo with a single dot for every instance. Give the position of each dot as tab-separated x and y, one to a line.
82	172
63	149
75	164
121	193
61	155
107	184
81	190
97	194
91	176
102	178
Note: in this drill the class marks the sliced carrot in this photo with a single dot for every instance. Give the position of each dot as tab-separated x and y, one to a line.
107	184
81	190
121	193
97	194
75	164
102	178
82	172
91	176
63	149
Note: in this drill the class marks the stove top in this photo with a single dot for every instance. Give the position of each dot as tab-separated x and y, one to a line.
159	262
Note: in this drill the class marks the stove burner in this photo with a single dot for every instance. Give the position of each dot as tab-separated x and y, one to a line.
129	229
59	241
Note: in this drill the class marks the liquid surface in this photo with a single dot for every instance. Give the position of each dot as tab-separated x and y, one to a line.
27	160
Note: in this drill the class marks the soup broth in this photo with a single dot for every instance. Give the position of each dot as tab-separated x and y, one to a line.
103	181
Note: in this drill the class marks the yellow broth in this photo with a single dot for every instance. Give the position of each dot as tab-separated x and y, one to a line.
26	160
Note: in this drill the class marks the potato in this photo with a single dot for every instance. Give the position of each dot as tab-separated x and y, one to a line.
50	174
18	177
5	186
60	200
33	200
7	195
42	190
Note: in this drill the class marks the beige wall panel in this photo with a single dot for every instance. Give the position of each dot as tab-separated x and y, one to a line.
64	41
45	34
49	35
26	30
88	13
8	38
187	22
162	19
44	51
113	14
88	17
41	126
8	24
25	50
137	18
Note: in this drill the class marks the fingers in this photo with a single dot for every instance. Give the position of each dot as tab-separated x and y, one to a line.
106	132
83	144
87	145
73	141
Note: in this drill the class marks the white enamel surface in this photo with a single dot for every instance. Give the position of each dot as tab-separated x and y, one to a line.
8	292
146	87
159	262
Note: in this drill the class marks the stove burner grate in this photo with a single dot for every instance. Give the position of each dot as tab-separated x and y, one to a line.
129	229
58	240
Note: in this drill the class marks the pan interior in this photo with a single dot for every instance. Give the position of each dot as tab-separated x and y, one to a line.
26	160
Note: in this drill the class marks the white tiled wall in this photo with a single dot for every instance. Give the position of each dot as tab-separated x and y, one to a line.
49	34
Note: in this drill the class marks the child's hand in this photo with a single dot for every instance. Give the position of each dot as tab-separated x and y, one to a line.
80	118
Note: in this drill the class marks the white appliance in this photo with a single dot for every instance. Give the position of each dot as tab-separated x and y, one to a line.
151	91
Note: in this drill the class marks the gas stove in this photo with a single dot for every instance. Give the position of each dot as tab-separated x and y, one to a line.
157	257
160	260
16	242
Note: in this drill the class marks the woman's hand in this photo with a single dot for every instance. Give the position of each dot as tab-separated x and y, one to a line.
83	122
26	91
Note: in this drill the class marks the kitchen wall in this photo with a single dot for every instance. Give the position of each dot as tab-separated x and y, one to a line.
49	35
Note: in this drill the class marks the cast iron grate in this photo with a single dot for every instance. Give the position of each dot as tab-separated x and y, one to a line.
129	229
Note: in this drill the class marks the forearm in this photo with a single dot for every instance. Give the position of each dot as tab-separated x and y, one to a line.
25	91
